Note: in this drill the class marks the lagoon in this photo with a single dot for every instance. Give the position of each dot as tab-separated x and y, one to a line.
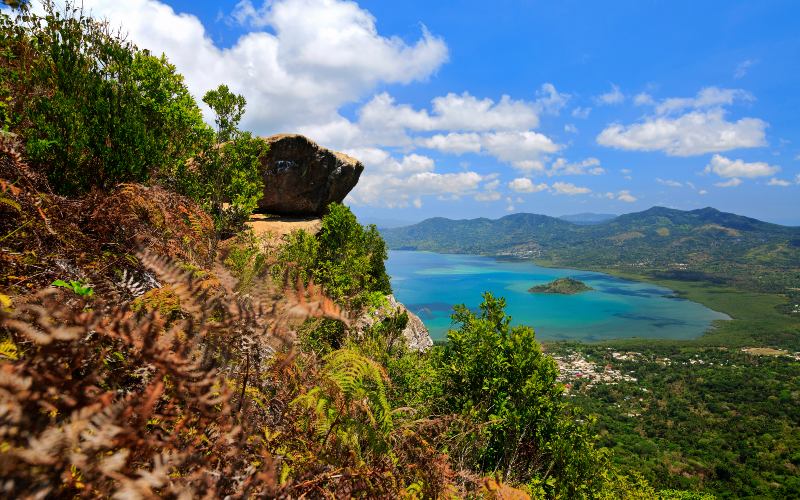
429	284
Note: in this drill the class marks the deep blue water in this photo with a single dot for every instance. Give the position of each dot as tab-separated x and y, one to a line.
429	284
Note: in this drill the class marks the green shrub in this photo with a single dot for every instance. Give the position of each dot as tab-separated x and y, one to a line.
95	110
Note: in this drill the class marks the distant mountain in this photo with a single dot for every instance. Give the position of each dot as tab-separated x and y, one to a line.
385	223
658	236
587	218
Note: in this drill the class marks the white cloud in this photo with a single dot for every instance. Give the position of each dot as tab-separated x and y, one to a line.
452	143
393	191
731	183
453	197
643	98
487	196
613	97
520	200
690	185
518	146
417	202
561	167
669	183
523	185
379	161
529	167
725	167
491	186
510	208
626	196
625	171
691	134
797	179
741	68
569	189
707	98
628	177
571	128
460	113
776	182
581	113
703	191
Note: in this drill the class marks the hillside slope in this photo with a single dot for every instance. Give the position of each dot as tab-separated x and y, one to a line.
658	236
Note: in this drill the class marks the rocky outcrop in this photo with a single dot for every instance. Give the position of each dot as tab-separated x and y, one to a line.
416	334
301	178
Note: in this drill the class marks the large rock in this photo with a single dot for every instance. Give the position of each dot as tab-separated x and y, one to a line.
301	178
416	334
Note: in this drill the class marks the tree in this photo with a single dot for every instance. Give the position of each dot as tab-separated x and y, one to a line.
225	178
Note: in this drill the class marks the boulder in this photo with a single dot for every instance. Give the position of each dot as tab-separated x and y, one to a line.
416	334
301	178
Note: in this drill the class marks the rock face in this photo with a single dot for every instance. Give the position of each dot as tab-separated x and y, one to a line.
301	178
416	334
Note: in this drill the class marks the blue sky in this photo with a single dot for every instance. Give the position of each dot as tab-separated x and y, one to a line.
468	109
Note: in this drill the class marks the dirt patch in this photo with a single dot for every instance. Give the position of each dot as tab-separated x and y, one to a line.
731	232
626	236
277	229
765	351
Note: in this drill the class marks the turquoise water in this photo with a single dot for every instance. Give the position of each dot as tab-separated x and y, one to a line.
429	284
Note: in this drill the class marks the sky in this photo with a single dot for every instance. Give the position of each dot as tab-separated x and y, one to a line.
481	109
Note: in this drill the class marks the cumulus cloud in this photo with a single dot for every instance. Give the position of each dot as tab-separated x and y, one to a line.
628	177
669	183
393	192
613	97
731	183
569	189
725	167
561	167
570	128
510	208
490	186
777	182
581	113
523	185
626	196
703	191
691	134
703	129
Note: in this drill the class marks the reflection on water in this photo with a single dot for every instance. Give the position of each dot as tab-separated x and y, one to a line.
429	284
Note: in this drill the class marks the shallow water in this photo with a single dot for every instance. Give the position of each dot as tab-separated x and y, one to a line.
429	284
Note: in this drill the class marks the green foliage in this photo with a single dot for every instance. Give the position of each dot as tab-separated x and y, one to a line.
227	171
95	110
684	495
350	261
496	374
79	287
712	421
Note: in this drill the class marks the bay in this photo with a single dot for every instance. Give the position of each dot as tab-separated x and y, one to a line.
429	284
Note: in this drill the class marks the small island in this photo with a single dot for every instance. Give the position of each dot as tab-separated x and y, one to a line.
564	286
